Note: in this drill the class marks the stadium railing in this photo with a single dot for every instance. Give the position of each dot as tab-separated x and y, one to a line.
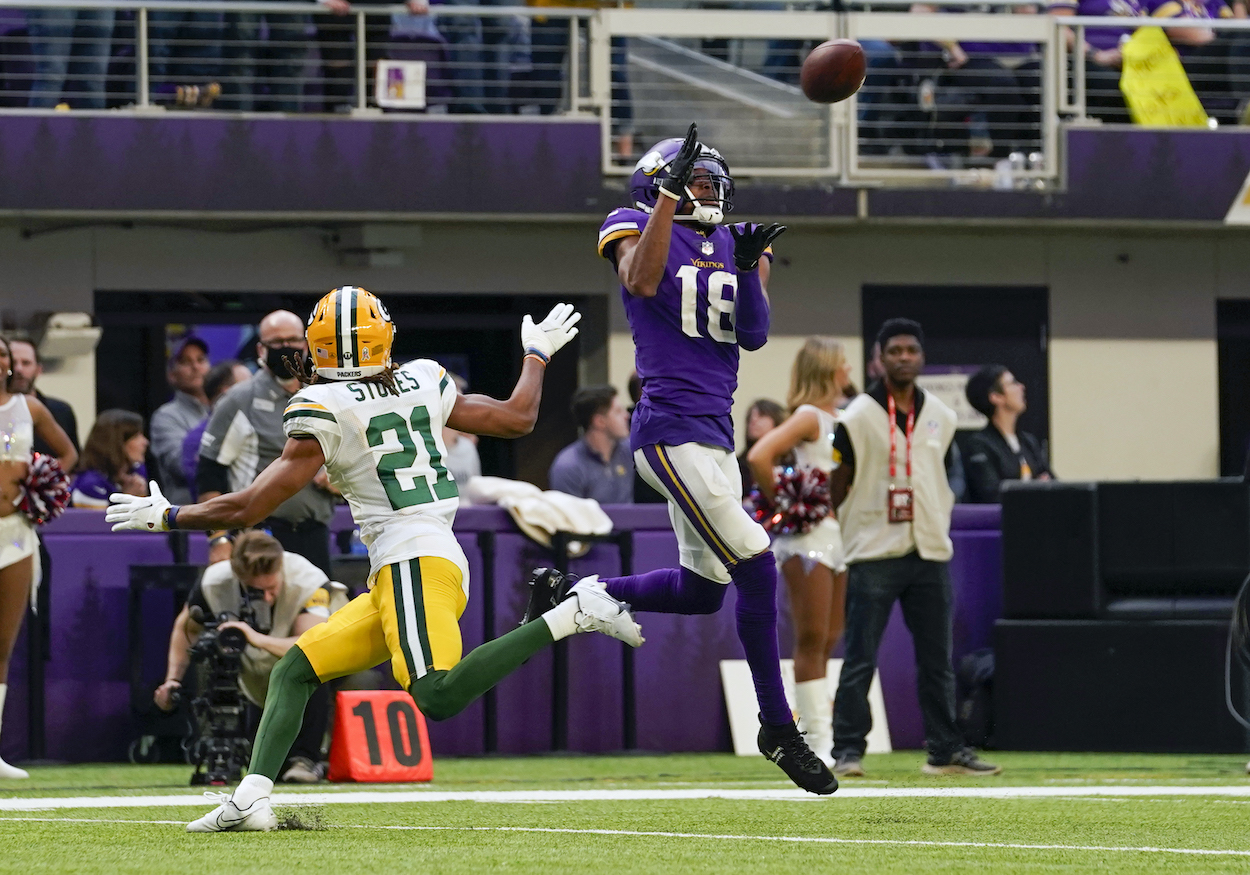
976	98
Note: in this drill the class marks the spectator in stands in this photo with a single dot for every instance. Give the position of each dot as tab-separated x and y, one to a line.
27	369
263	73
112	460
185	372
1103	60
461	459
244	435
70	44
216	383
894	504
1206	60
336	37
185	52
998	452
549	42
599	464
763	416
993	92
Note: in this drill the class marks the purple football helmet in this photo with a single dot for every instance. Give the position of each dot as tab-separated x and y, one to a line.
653	166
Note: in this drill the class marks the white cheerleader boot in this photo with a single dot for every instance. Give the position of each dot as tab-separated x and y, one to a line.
816	717
6	770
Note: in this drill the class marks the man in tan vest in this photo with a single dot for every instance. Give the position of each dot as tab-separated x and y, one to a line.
891	451
287	595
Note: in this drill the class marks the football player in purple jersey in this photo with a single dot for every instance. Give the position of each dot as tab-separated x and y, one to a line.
694	291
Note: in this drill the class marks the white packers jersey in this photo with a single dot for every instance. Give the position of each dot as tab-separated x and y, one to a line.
385	454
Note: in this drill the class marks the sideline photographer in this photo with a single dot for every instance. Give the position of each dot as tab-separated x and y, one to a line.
271	597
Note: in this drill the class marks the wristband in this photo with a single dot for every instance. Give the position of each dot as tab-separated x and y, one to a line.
533	353
171	517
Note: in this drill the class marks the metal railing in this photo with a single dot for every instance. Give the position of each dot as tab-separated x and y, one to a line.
973	97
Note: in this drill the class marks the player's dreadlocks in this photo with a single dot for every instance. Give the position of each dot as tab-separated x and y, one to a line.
304	370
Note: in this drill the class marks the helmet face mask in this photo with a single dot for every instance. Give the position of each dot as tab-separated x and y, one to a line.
349	335
653	167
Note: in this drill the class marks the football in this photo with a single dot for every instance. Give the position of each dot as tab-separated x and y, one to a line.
833	71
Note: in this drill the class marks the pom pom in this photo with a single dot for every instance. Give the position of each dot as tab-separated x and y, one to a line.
801	501
45	492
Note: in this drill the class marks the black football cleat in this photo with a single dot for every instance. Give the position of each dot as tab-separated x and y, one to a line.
548	588
786	747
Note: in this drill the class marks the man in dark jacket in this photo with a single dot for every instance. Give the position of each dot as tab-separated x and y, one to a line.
998	452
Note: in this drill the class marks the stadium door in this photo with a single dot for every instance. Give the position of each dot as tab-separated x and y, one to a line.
1232	329
969	326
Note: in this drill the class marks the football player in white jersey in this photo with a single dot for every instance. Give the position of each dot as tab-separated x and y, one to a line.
377	428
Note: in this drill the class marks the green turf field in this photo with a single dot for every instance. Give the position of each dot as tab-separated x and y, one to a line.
689	814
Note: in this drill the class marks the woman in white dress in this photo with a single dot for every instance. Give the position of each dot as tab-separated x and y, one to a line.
21	418
811	563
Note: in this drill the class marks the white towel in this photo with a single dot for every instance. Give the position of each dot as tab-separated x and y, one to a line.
541	514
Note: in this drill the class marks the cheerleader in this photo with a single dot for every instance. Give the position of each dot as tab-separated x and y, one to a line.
21	418
811	561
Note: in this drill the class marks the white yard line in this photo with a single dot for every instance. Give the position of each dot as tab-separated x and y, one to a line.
819	840
361	797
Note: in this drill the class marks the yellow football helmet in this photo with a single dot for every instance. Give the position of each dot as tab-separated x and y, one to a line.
350	335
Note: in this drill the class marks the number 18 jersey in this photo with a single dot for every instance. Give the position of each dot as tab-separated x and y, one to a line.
685	345
385	453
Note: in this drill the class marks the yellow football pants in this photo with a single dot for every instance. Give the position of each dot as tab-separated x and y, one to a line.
410	614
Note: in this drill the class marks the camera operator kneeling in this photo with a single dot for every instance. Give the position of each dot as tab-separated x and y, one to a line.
276	596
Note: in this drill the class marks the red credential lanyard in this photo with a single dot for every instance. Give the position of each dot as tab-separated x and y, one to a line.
911	425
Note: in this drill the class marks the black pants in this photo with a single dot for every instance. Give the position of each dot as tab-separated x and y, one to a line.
923	589
309	539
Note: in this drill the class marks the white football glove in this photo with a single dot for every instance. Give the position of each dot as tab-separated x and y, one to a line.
139	513
552	333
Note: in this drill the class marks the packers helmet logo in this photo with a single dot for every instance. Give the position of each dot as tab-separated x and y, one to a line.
382	311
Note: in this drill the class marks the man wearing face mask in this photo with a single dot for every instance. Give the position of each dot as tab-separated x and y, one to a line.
244	435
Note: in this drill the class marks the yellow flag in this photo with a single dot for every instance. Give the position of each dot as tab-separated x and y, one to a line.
1155	85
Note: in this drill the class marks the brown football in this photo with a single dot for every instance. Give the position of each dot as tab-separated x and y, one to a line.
833	71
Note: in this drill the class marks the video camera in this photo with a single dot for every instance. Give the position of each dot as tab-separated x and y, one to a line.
222	746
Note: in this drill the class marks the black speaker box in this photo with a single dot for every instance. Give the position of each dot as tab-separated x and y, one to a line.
1050	550
1115	686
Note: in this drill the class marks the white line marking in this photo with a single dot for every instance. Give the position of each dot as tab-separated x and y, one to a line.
1019	846
364	797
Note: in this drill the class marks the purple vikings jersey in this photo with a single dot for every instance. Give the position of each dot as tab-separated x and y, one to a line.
685	347
1103	37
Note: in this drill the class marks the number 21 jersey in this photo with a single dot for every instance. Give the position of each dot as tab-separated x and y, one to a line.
385	453
686	350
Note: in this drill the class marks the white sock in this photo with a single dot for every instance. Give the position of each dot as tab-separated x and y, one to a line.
562	619
816	716
251	788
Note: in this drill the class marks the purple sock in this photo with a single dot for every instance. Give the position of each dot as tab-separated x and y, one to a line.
756	579
668	591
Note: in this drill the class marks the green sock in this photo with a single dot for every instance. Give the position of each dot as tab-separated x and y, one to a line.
291	685
443	694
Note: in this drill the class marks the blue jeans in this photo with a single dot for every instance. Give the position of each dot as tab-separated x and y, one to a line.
253	67
65	41
184	47
923	589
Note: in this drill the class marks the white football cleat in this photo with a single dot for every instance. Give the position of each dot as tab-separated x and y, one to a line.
599	612
8	771
228	817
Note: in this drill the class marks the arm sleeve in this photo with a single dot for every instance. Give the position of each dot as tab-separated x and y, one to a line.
195	599
211	476
307	418
226	429
983	481
564	478
319	604
167	445
448	391
955	472
751	315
